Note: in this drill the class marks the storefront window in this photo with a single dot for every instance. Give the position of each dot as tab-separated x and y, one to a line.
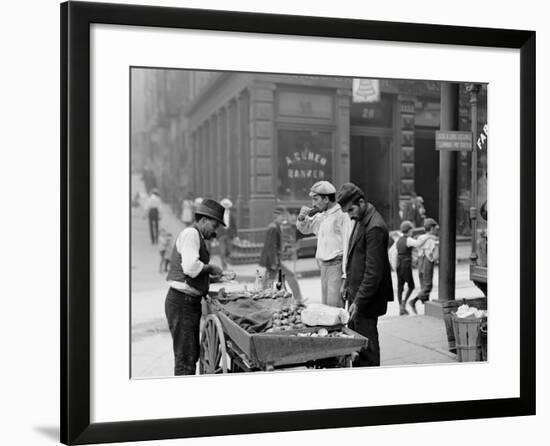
305	157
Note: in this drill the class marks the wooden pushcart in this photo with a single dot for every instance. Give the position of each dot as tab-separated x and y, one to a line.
227	347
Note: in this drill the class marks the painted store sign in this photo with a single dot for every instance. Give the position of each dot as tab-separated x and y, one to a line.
306	164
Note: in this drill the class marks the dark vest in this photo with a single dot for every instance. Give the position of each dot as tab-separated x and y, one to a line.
404	252
202	281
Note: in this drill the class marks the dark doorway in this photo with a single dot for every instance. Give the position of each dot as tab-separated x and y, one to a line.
426	171
370	170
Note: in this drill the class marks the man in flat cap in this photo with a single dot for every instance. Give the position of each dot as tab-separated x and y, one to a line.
332	228
368	286
189	279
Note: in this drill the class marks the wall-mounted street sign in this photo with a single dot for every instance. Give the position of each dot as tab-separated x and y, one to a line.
453	140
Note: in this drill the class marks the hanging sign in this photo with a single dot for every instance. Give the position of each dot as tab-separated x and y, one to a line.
453	140
366	90
482	140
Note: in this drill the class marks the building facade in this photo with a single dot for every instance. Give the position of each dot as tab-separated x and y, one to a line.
264	139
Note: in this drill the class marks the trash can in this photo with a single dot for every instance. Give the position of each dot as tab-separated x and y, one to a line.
467	333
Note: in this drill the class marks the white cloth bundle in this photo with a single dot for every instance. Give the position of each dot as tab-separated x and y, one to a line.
319	314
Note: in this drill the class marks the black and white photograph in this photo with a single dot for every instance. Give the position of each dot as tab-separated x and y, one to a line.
299	222
245	223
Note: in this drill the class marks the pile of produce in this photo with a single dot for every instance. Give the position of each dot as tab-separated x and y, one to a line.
269	293
324	333
288	318
465	311
226	276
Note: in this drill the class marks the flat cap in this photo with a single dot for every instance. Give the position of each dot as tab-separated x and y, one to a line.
347	193
406	226
429	223
322	188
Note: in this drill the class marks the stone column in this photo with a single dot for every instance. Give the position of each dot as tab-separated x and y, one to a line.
221	163
262	170
342	149
195	161
448	195
229	153
206	159
406	171
215	159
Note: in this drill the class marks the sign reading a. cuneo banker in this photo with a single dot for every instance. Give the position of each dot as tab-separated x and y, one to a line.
453	140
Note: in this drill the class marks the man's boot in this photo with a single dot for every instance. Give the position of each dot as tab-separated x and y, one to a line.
402	310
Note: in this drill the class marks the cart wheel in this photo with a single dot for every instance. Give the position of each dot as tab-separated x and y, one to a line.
213	352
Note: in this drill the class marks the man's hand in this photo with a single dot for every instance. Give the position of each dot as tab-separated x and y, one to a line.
352	311
214	270
343	289
304	210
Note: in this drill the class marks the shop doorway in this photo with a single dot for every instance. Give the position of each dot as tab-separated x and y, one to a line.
370	161
426	171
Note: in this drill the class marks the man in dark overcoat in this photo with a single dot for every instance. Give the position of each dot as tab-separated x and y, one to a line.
272	253
368	287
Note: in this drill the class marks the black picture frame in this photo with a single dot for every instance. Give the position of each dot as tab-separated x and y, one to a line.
76	19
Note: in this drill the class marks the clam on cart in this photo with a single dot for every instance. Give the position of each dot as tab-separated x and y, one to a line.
226	346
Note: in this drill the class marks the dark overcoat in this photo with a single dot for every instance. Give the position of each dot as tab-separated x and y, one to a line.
271	251
368	273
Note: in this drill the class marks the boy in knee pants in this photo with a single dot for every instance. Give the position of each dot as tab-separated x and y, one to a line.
428	253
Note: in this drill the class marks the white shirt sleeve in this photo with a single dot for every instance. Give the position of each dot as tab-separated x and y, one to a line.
430	248
310	225
346	234
188	245
415	243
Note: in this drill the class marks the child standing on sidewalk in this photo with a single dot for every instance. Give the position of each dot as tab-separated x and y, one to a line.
165	244
404	265
428	253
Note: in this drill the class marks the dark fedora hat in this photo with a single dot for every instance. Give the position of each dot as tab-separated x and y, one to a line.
211	209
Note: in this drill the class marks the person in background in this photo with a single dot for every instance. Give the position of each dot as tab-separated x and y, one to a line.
152	210
187	209
165	245
404	247
189	279
414	210
196	203
271	255
368	286
428	253
227	233
162	248
332	228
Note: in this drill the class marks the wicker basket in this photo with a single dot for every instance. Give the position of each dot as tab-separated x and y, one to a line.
467	333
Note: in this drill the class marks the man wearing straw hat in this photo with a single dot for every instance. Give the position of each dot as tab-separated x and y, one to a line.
189	279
